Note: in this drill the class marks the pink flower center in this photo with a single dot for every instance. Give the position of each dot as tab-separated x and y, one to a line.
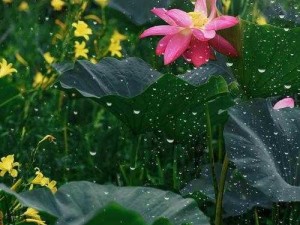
199	20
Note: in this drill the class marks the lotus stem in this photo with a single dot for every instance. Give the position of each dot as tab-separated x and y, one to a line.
219	203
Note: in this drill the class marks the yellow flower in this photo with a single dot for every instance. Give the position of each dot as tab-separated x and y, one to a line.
57	4
33	216
102	3
80	50
6	69
49	59
41	81
82	29
115	49
52	186
41	180
118	37
115	44
23	6
7	164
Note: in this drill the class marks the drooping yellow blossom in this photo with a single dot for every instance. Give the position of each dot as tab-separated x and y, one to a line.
82	29
41	81
23	6
49	59
57	4
32	216
7	165
115	44
102	3
6	69
80	50
7	1
43	181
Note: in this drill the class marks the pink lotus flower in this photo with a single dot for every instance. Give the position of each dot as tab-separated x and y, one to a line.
285	103
192	34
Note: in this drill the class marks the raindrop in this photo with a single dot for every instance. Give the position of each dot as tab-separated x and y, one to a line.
75	112
261	70
170	141
229	64
93	153
136	112
287	86
108	103
281	16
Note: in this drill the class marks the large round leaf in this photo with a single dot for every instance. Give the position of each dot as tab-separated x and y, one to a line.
239	196
264	145
146	100
269	62
76	203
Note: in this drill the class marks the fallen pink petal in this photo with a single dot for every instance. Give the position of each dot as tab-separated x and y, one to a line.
285	103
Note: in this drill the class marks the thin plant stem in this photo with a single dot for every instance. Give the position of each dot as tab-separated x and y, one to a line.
219	203
211	152
175	168
256	218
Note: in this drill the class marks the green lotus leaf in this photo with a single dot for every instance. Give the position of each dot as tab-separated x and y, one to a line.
147	101
264	144
77	203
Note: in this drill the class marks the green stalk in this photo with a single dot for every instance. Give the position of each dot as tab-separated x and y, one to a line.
219	203
256	218
175	168
210	150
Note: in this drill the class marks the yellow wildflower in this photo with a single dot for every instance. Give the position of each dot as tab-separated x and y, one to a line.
49	59
102	3
41	180
52	186
118	37
57	4
82	29
7	164
6	69
23	6
80	50
33	216
115	49
115	44
42	81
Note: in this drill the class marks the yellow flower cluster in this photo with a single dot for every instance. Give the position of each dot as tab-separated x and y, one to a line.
7	165
6	68
49	58
57	4
41	81
81	30
32	216
115	44
43	181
